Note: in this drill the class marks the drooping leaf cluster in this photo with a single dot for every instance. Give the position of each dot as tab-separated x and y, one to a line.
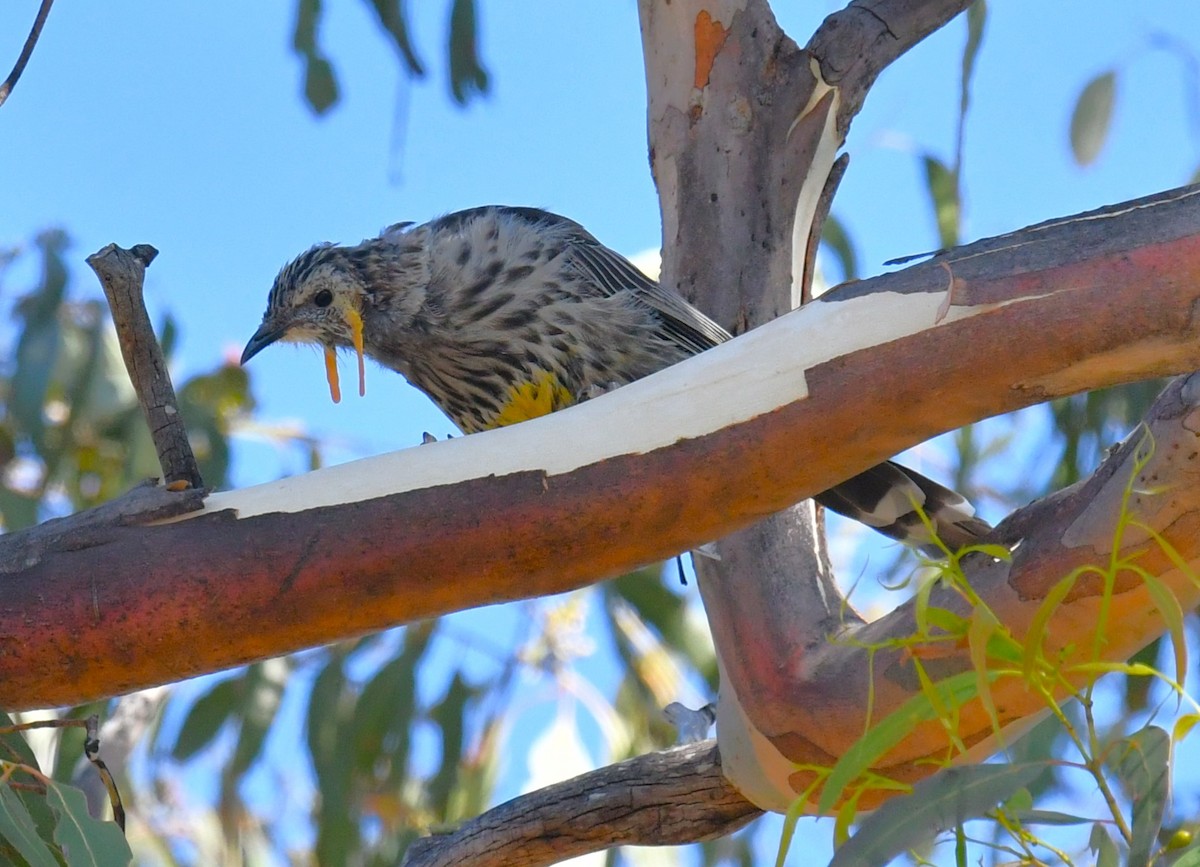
466	74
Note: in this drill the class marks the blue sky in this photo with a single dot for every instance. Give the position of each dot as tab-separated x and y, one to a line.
181	125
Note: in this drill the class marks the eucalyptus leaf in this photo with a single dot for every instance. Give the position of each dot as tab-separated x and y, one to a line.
86	842
938	803
1142	763
1107	854
889	731
329	707
205	718
320	83
450	716
18	830
839	242
942	185
393	17
1092	117
467	75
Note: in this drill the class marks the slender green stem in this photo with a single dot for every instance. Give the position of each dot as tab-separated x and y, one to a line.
1095	766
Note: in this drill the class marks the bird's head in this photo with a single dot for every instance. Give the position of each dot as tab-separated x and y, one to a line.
319	298
330	295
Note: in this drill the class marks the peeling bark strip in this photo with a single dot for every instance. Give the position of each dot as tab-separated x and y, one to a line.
580	495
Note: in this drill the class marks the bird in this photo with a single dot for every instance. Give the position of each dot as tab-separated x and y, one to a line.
501	314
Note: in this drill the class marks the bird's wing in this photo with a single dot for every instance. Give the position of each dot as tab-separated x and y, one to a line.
613	273
610	273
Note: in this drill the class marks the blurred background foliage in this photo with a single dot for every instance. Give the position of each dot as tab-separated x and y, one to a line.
408	731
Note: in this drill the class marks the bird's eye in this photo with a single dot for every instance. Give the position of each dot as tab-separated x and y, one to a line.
323	298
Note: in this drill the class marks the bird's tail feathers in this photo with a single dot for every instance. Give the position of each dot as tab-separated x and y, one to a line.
886	497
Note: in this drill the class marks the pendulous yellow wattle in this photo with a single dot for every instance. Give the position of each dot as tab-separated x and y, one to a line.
331	374
354	320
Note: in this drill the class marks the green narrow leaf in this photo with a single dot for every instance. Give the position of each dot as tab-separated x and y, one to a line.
19	830
467	75
1036	634
845	818
260	700
394	18
938	803
86	842
889	731
976	20
477	778
384	715
983	626
1049	817
790	820
17	510
329	706
325	701
14	748
943	195
320	84
450	716
40	341
837	239
1092	116
1142	763
168	335
1184	726
205	718
387	708
1172	614
1106	851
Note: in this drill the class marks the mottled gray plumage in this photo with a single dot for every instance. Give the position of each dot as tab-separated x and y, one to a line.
471	304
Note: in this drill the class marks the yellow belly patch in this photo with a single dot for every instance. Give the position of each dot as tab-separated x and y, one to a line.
540	396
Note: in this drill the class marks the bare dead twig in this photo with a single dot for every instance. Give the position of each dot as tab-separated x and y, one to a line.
26	51
122	273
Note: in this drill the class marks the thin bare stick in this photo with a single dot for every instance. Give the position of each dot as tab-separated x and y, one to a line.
26	51
121	273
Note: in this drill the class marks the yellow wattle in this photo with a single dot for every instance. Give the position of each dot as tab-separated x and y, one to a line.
540	396
331	374
354	320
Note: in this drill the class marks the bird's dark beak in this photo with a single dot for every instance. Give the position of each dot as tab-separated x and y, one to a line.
264	337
